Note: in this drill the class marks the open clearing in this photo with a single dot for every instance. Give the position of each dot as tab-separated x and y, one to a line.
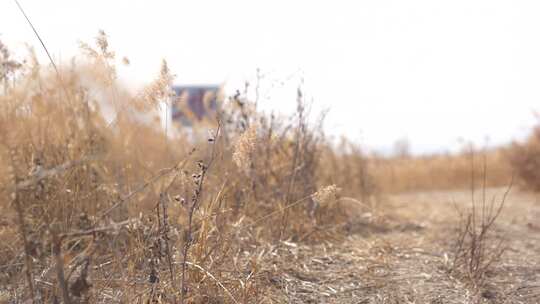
407	261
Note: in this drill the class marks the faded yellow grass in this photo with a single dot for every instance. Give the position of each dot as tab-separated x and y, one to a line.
106	208
109	209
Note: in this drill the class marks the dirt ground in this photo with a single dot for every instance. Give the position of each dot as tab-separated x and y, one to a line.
404	256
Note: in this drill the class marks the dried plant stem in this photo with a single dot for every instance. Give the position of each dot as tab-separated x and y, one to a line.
59	265
194	204
38	37
27	257
164	230
188	238
294	169
473	256
12	155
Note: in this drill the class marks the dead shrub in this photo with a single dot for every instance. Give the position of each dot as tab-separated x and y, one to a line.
477	248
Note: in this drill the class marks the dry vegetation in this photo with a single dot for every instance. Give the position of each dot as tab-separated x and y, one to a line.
440	172
113	211
258	209
525	159
404	173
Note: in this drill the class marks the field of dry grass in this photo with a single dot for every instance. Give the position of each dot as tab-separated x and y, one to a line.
440	172
247	208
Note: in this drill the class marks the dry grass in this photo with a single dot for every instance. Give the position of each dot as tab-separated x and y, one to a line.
101	206
112	211
440	171
525	159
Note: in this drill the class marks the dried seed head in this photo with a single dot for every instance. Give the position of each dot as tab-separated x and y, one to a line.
326	195
244	148
201	165
180	200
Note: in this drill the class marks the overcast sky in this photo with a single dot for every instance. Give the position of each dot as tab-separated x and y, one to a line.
431	71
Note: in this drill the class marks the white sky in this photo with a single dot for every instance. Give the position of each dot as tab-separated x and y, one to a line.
431	71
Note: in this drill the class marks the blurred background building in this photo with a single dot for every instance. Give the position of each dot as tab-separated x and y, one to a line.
192	104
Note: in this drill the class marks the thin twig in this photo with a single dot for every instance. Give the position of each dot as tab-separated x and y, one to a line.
38	37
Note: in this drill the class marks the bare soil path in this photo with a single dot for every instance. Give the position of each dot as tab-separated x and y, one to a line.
404	256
